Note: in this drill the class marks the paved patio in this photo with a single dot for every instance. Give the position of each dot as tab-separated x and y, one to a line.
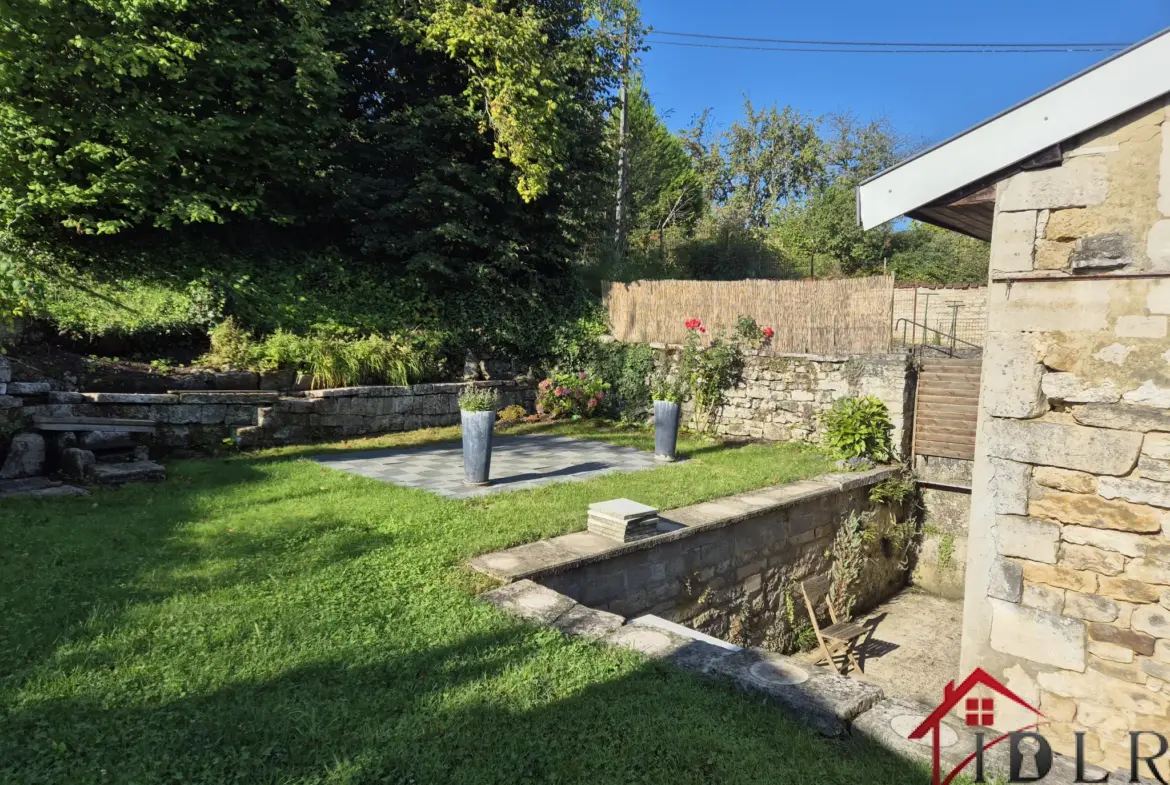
518	463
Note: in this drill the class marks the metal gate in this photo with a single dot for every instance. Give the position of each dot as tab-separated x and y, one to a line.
946	408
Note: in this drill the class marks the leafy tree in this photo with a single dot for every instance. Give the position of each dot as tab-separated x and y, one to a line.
928	254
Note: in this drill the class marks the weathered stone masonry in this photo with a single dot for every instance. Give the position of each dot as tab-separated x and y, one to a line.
1068	574
732	572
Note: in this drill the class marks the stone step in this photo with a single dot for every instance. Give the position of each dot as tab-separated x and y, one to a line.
93	424
119	473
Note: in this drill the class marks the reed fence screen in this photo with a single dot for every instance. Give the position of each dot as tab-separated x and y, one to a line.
814	317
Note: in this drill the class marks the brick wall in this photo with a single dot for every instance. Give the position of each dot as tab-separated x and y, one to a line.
1068	574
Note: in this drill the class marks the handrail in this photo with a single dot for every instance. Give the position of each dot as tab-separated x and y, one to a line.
949	351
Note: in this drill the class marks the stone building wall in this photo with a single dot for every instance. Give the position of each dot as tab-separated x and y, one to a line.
782	396
734	572
1068	573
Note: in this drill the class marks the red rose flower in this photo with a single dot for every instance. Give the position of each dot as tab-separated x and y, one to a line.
702	329
769	332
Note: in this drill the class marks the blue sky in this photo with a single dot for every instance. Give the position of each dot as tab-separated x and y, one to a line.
926	96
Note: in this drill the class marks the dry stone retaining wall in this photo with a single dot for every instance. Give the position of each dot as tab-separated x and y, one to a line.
1068	575
782	396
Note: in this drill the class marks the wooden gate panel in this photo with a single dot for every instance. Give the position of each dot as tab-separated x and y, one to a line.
947	408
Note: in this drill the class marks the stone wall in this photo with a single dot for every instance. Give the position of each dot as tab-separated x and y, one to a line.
782	396
733	572
1068	573
941	561
206	420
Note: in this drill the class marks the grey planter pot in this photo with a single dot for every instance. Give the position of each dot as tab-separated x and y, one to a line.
666	419
477	446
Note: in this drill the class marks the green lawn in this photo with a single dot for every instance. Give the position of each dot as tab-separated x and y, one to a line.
263	619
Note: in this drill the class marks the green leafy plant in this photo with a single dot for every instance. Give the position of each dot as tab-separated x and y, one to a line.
231	346
478	399
512	414
946	550
667	387
161	366
709	370
859	427
849	553
894	490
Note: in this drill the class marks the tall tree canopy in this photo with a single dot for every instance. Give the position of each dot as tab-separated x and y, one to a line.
384	163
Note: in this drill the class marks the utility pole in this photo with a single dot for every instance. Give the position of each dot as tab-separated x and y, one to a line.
620	228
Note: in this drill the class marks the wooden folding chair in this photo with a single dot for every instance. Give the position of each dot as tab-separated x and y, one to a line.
839	637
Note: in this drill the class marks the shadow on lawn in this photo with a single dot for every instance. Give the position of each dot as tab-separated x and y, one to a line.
423	718
71	568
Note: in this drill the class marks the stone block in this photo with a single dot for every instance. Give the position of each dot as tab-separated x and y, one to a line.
1080	182
1041	597
26	457
1013	238
76	462
1056	708
1027	538
1092	685
5	369
10	402
1162	650
1149	394
1009	486
1138	642
1139	491
1158	245
1068	388
1064	479
131	398
1127	589
1037	636
1006	581
1089	607
1011	377
1149	570
1109	651
1140	327
1086	557
1092	450
1157	670
530	601
1052	255
583	622
1153	469
1093	511
1101	252
1061	577
1131	672
1123	417
29	388
1154	620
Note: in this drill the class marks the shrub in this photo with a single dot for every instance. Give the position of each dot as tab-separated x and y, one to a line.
231	346
709	371
337	358
627	369
478	399
281	350
512	414
859	428
576	394
668	388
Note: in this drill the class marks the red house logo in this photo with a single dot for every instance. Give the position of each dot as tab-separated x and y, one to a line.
976	712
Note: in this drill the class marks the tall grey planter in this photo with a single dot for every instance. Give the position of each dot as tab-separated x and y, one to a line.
477	446
666	418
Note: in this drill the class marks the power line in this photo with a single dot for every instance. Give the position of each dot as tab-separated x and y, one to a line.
1060	45
885	51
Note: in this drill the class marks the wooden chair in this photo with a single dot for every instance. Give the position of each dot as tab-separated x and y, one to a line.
838	638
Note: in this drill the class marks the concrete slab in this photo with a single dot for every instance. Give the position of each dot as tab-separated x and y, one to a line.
676	649
530	601
587	622
913	649
827	701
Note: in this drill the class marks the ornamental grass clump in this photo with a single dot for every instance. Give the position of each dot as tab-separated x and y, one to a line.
478	399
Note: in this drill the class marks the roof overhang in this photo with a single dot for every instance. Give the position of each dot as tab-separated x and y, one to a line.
926	185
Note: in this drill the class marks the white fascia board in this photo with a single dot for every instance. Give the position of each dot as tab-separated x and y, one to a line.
1134	77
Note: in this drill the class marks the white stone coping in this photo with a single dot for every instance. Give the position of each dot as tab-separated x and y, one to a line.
567	552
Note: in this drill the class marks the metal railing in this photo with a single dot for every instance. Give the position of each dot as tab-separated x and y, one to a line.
947	343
